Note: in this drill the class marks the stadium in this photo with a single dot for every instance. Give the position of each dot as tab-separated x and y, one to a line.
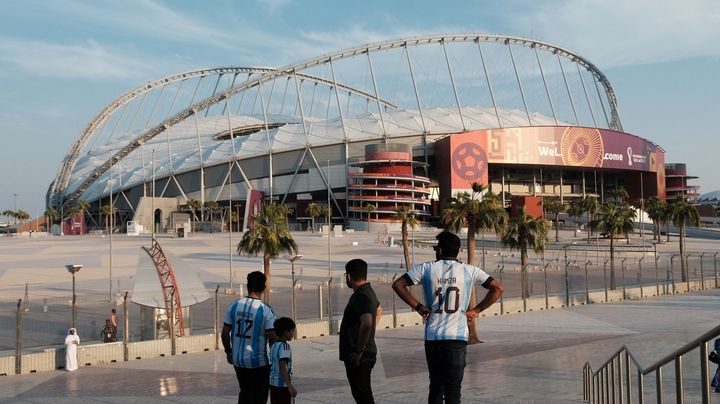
397	123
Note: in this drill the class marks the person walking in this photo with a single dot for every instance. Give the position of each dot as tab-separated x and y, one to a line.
282	390
357	331
114	321
71	348
716	378
447	284
248	326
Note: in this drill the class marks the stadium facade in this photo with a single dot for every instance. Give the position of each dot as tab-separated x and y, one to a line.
522	116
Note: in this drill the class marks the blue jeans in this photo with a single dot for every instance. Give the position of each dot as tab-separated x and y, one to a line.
446	365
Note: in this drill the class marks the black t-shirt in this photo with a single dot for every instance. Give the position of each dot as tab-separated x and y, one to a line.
361	302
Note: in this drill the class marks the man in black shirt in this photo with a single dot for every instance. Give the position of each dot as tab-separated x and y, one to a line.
357	331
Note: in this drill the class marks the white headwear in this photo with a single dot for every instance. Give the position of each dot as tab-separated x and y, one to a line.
71	331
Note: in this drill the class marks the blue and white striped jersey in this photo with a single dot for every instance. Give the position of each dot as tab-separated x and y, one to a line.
447	285
280	350
250	319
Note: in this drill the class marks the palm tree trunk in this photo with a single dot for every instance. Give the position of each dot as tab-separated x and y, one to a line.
557	228
406	249
667	230
473	337
588	227
266	269
312	224
612	261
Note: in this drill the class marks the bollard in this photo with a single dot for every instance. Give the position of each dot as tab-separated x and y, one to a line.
330	307
622	272
18	338
45	307
640	275
702	272
171	324
547	302
587	288
715	266
320	301
671	274
216	318
605	278
657	278
523	286
502	305
567	286
126	332
394	312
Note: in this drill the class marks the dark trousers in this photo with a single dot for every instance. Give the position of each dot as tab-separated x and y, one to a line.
446	364
280	395
359	378
254	384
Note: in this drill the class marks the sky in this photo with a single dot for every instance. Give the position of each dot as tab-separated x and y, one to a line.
62	61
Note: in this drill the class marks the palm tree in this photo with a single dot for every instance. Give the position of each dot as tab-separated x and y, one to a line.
620	195
314	210
193	205
268	236
655	208
407	217
590	207
555	207
521	232
8	214
613	220
84	205
212	206
576	209
716	209
107	211
369	208
682	214
51	215
478	213
22	216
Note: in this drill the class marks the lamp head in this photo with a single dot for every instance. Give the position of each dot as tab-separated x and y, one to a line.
73	268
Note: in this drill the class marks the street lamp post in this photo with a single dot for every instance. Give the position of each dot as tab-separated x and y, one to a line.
292	260
15	196
73	269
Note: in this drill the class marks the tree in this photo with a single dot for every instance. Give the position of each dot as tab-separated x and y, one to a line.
521	232
590	207
107	211
478	212
407	218
51	216
683	214
369	208
193	205
716	209
613	220
314	210
22	216
576	209
84	205
555	207
655	209
620	195
8	214
268	236
212	206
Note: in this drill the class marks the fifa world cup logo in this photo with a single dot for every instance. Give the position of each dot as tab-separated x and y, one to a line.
582	147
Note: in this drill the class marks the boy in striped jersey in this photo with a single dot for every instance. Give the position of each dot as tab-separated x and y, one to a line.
447	284
281	389
247	329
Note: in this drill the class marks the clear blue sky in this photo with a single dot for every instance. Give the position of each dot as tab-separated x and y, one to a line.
62	61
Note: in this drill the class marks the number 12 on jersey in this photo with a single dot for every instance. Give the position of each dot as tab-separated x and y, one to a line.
444	300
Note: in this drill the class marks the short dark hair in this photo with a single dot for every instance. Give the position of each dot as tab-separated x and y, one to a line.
357	269
449	243
283	325
256	281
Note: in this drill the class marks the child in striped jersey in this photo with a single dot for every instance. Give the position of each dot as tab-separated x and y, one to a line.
281	389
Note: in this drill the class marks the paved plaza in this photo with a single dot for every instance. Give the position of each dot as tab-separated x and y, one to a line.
529	357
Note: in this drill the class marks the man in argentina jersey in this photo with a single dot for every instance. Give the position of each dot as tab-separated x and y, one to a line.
447	284
247	327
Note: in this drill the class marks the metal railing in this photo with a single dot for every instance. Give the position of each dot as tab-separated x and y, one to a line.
613	381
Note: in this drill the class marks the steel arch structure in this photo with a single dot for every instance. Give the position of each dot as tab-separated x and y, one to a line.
60	195
71	157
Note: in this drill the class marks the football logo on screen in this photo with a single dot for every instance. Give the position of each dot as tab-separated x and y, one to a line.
582	147
469	161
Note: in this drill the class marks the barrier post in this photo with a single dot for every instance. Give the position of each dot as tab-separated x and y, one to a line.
622	272
547	302
171	324
587	287
524	287
502	306
320	301
567	286
126	331
394	309
657	278
702	272
605	278
18	339
330	307
640	279
216	318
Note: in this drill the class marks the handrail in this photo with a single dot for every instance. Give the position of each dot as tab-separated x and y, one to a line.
595	388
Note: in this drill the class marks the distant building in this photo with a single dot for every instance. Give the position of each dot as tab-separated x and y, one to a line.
677	182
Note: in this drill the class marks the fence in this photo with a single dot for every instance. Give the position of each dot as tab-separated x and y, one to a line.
39	321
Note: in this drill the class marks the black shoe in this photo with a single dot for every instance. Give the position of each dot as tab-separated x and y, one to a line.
717	390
